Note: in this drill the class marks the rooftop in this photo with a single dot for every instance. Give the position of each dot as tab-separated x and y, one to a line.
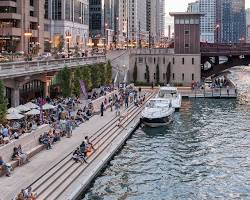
186	13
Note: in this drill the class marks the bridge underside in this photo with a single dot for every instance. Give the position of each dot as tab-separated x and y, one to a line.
217	68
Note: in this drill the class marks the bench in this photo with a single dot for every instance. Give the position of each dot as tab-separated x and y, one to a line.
30	153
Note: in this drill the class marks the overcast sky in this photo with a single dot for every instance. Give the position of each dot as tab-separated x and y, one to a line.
181	5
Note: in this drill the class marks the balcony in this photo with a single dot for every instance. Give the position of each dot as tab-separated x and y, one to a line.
10	16
11	31
8	3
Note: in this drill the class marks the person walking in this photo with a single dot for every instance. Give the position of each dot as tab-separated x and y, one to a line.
102	109
126	100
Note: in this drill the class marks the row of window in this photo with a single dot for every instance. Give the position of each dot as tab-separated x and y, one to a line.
173	76
157	60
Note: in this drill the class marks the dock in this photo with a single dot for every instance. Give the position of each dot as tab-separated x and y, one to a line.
54	175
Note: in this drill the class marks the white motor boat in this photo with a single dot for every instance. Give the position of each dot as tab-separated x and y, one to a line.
158	112
172	94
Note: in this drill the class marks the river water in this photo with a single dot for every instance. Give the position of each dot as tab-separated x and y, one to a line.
203	154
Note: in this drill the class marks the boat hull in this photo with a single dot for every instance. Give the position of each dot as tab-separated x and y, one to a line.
157	122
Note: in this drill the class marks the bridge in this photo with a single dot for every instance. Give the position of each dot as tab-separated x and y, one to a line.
19	69
23	78
237	54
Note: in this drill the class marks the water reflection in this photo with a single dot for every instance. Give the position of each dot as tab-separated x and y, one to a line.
203	154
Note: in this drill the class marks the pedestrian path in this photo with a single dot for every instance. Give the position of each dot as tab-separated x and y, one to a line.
23	176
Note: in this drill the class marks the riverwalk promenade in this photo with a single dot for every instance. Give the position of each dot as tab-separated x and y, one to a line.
53	175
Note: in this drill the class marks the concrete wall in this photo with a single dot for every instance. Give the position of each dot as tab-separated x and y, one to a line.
163	58
28	142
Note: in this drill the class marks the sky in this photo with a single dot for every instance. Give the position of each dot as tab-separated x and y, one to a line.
173	6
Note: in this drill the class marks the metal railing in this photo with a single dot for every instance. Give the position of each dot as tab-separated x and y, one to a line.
15	69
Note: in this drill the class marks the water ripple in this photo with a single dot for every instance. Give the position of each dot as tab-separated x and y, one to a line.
203	154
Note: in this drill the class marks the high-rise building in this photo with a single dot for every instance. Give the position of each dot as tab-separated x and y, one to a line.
132	22
231	21
23	26
248	25
155	20
194	7
69	20
208	21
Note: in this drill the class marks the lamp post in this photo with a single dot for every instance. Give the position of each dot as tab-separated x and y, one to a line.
68	37
28	35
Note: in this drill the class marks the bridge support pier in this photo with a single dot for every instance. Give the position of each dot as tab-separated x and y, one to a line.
15	96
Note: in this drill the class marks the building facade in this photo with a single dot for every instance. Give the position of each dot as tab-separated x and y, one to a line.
208	21
155	21
248	25
24	26
194	7
179	66
231	21
132	23
69	21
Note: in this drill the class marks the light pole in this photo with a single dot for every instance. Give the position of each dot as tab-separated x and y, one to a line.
28	35
68	37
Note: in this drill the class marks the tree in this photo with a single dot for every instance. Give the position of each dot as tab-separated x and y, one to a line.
64	77
102	72
3	103
95	76
135	73
76	88
147	76
168	74
86	76
108	73
157	74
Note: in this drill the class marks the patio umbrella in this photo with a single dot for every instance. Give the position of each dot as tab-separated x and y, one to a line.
31	105
13	110
14	116
22	108
48	106
33	112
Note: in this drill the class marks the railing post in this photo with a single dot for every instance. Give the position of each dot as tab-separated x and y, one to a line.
220	92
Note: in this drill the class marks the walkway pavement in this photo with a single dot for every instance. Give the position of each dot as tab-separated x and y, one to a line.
39	164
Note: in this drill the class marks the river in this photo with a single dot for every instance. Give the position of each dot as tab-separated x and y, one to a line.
203	154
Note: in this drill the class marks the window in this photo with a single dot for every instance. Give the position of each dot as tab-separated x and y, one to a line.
140	60
154	60
192	61
173	76
164	76
31	2
173	60
182	76
164	60
183	61
186	45
154	76
192	77
186	32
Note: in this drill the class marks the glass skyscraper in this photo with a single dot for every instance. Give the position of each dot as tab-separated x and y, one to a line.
231	21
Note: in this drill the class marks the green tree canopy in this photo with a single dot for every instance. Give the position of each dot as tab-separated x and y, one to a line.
108	73
95	76
64	78
86	76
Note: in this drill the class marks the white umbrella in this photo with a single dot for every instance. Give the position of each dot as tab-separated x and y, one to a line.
13	110
31	105
48	106
22	108
13	116
33	112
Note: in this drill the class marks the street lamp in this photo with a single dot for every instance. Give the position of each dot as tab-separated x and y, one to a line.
68	37
28	35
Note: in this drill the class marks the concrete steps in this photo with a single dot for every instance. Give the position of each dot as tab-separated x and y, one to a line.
57	180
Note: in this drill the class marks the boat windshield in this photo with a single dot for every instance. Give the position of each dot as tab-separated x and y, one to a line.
158	103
